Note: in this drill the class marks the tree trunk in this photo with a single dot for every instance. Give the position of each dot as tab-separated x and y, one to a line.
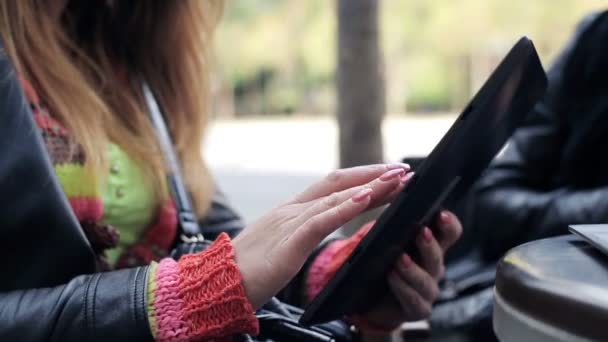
360	87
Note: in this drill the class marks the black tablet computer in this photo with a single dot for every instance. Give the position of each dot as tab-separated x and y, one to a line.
455	163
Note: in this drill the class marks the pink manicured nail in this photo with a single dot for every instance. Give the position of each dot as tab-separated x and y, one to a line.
406	260
362	195
427	234
398	166
444	217
392	174
406	177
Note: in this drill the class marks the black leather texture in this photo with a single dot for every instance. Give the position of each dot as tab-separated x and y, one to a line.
555	170
49	290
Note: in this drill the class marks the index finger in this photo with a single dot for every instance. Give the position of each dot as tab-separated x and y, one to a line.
342	179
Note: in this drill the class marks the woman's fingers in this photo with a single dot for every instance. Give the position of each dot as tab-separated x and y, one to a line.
412	303
405	180
449	229
272	250
343	179
418	279
383	187
431	254
386	187
386	197
317	227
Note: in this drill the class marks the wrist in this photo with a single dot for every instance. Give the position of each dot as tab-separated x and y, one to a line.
199	297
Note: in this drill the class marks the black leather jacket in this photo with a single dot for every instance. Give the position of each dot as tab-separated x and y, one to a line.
555	170
49	286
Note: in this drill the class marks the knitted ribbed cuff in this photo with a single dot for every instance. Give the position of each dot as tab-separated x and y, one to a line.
327	263
199	297
329	260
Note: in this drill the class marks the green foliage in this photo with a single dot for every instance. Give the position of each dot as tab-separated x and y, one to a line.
429	88
283	100
281	35
295	41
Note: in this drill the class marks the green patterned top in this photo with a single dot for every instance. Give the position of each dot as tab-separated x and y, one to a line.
128	200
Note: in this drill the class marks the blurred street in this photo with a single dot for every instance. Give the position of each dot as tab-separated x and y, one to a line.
261	162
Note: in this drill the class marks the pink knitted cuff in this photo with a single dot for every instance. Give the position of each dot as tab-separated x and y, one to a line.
199	297
327	263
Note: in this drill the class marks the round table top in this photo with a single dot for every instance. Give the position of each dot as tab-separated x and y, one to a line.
562	282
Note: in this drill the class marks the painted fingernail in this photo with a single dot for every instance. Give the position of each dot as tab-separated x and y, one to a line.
362	195
444	217
392	174
406	177
427	234
406	260
395	166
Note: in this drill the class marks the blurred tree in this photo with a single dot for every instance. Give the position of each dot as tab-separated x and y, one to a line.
360	83
360	87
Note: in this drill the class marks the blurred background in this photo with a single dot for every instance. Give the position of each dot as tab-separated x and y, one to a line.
303	87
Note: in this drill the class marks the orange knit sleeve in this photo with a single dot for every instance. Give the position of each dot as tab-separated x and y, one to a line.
327	263
199	297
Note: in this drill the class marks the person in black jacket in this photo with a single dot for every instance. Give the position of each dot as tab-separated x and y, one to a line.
554	171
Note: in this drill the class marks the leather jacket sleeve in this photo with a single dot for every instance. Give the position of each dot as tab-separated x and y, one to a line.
99	307
515	201
110	306
49	290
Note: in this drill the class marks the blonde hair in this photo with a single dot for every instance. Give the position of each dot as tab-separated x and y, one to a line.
87	63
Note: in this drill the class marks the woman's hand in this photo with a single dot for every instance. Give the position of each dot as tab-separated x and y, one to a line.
414	286
272	250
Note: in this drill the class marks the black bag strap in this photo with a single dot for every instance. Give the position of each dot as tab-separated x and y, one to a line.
188	225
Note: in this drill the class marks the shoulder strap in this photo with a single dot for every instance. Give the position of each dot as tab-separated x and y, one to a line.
188	226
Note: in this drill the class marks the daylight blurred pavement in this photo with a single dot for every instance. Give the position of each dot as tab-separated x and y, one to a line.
259	163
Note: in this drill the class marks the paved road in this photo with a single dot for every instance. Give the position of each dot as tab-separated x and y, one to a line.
253	192
260	163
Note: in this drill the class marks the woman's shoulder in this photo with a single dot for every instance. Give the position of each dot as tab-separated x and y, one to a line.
45	122
30	93
583	62
591	18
